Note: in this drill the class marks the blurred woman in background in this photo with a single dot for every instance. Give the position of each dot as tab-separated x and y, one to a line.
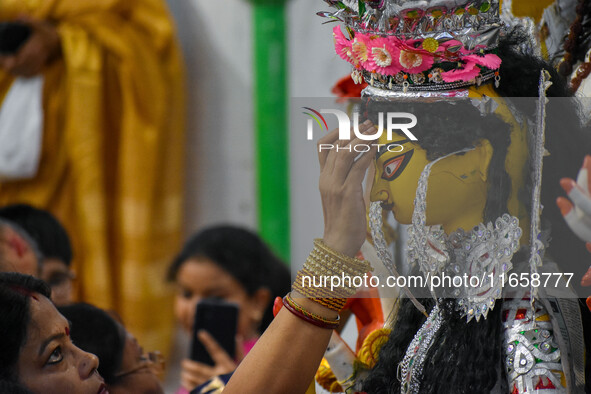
234	265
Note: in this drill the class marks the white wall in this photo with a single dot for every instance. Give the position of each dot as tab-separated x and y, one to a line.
314	65
215	36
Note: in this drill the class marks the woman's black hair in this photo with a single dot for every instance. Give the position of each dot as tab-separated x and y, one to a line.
477	346
95	331
243	255
8	387
16	291
51	237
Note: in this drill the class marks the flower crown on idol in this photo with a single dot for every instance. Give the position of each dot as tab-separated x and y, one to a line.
418	46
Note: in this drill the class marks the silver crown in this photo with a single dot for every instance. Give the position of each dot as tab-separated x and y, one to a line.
471	22
419	46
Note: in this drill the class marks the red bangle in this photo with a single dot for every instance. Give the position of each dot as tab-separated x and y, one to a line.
308	316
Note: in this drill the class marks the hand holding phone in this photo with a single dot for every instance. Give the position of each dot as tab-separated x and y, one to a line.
213	347
194	373
219	319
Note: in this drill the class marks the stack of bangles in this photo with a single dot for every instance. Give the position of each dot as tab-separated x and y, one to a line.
313	281
308	316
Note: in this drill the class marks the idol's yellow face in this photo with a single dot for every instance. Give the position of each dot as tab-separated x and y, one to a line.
457	185
399	163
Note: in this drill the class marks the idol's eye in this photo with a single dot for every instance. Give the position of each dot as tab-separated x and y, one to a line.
56	356
394	166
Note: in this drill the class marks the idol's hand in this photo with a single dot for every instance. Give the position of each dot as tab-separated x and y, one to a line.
341	189
578	216
39	50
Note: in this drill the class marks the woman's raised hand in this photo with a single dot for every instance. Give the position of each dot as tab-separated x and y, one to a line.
342	170
577	213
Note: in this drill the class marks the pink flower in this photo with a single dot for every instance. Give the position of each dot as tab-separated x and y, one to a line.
414	60
451	44
383	57
490	61
408	43
467	73
342	45
361	48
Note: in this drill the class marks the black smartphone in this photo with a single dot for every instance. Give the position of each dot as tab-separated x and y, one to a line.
12	37
220	319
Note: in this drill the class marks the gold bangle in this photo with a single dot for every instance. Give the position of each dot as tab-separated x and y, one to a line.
351	261
335	304
315	279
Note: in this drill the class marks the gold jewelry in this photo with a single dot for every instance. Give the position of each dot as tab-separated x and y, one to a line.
328	276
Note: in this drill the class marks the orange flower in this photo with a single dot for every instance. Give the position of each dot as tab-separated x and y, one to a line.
345	87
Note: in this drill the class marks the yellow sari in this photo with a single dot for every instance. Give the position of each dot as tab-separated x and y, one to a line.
112	158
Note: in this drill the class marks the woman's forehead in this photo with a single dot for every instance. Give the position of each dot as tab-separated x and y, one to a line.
45	318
